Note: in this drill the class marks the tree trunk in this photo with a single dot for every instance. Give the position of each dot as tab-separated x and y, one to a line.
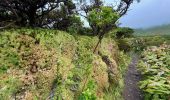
95	49
100	40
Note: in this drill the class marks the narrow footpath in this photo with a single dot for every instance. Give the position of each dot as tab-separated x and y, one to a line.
132	77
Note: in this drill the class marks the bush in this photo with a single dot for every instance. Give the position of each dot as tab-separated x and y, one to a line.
124	44
76	25
141	43
102	20
124	32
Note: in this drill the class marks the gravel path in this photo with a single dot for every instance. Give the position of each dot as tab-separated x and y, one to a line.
132	77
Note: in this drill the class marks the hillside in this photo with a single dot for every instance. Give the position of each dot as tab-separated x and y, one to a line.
41	64
157	30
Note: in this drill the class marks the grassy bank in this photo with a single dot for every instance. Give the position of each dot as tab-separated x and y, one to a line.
43	64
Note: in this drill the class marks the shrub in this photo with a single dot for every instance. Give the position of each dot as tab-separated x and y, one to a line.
124	32
124	45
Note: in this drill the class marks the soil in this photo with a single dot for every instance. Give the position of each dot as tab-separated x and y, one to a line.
132	77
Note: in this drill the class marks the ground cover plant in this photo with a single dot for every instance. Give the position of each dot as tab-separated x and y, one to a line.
50	64
155	68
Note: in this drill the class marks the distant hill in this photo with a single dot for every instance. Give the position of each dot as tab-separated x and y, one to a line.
157	30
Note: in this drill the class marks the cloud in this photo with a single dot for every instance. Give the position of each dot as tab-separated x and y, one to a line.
147	13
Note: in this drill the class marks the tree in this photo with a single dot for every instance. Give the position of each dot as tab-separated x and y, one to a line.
102	18
119	6
32	12
44	13
62	17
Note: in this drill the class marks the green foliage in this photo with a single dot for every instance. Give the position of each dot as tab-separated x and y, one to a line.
103	16
155	69
9	87
76	25
123	61
124	32
86	31
83	67
28	13
125	44
115	91
8	60
89	92
102	19
141	43
163	30
154	36
66	67
21	48
8	55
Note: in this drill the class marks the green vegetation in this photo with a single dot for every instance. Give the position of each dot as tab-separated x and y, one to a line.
46	52
142	42
155	68
152	36
152	45
124	32
41	64
163	30
103	20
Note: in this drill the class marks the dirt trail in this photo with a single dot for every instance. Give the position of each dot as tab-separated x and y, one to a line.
132	77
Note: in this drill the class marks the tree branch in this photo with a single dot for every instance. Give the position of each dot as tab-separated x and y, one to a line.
7	25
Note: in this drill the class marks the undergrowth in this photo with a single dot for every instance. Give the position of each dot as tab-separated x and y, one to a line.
155	68
45	64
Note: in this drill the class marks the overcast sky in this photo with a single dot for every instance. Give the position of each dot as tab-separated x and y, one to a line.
147	13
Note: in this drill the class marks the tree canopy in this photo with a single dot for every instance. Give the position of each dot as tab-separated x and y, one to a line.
63	14
35	12
51	13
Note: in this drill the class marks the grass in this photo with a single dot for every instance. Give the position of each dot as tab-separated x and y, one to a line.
152	31
35	62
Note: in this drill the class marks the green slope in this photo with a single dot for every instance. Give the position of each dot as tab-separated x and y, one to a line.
157	30
38	64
